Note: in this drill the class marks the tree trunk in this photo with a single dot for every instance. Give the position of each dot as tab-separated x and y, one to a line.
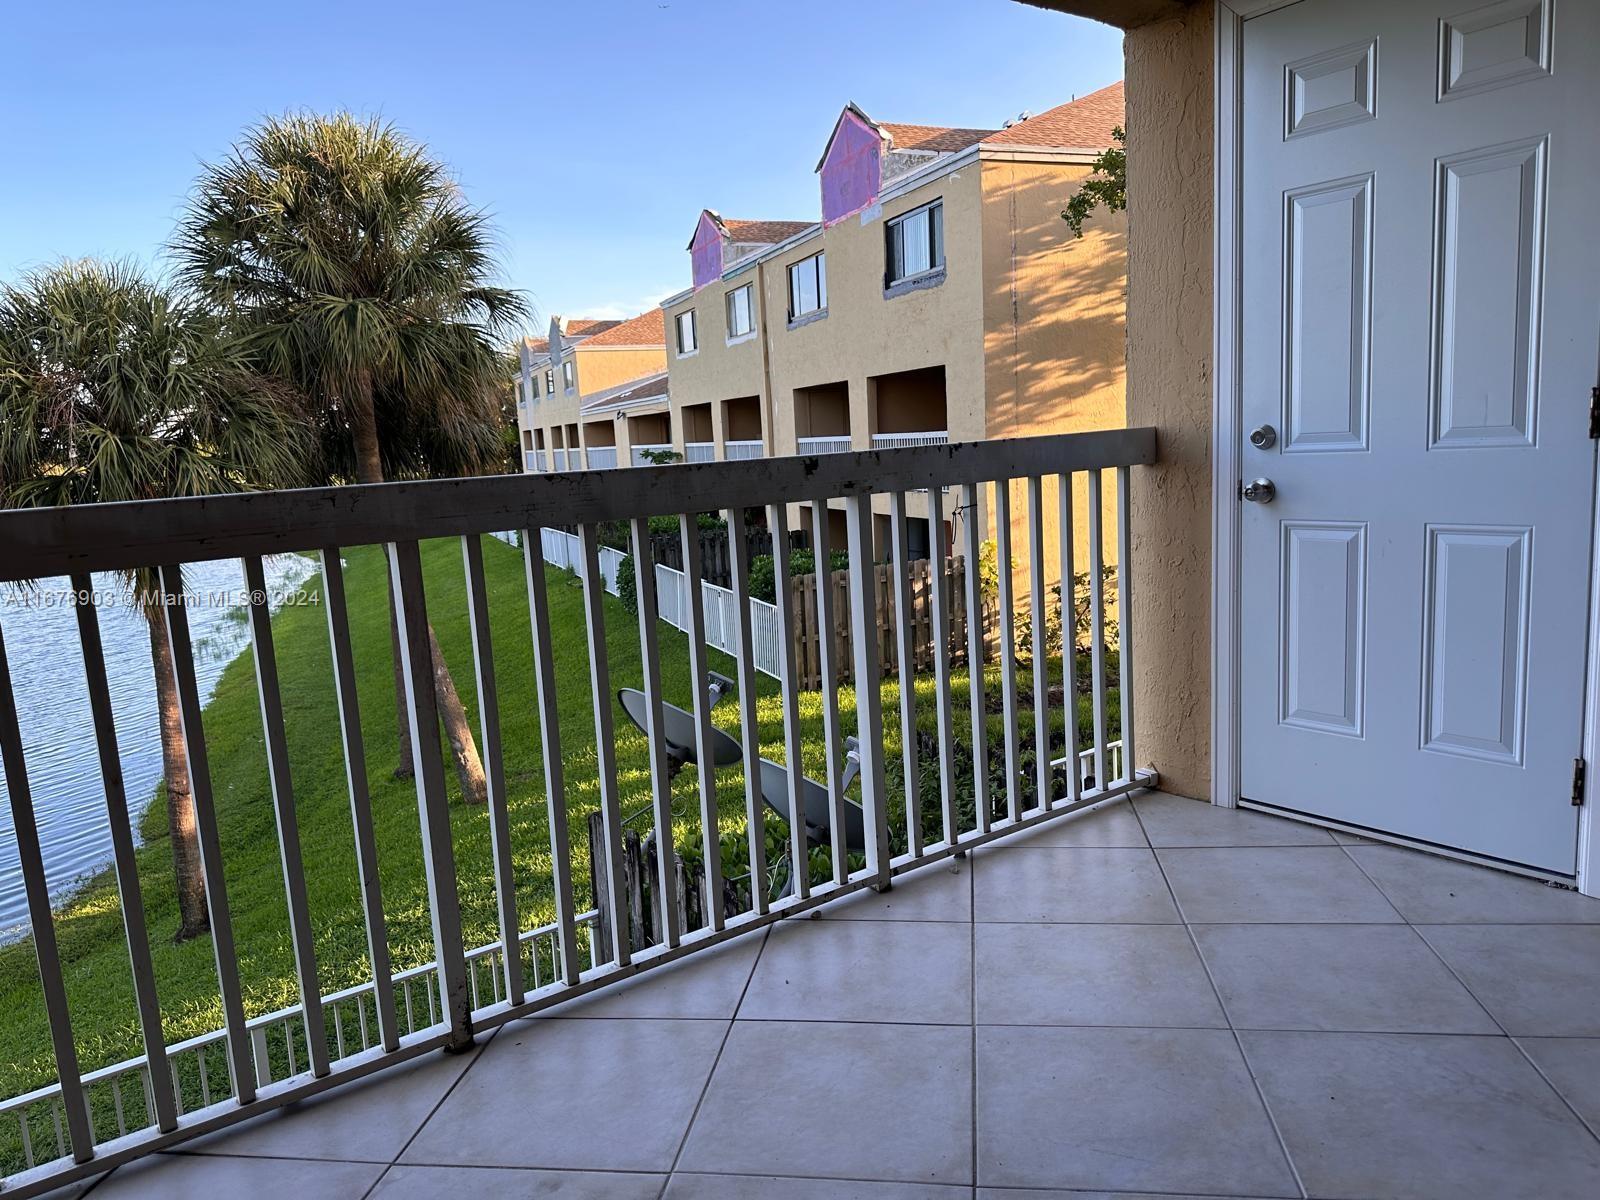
193	917
463	749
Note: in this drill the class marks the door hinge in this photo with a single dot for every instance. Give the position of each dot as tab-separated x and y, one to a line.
1579	770
1594	412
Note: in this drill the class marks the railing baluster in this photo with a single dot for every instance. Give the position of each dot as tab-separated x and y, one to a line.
905	650
28	1157
163	1110
975	639
869	697
355	766
749	731
1043	779
31	861
262	1053
544	669
594	593
433	809
828	657
705	767
940	598
116	1104
279	779
789	686
1129	764
1097	629
644	577
505	878
205	816
1069	640
1004	569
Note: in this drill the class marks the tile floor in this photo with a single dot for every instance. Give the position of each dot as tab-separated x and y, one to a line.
1158	998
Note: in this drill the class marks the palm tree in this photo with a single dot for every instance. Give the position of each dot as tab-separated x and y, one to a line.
113	388
362	278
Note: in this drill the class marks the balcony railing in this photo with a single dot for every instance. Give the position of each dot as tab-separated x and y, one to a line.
743	449
839	444
113	1114
899	441
530	461
538	460
639	452
602	458
558	458
699	452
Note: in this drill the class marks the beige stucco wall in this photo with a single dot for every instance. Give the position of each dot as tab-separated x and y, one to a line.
1170	223
718	370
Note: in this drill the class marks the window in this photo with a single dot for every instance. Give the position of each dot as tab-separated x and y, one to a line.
740	321
566	375
808	286
687	344
915	243
535	381
549	383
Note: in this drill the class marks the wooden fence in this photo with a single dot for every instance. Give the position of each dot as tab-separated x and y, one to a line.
808	633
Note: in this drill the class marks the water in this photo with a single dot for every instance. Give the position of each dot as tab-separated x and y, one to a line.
41	632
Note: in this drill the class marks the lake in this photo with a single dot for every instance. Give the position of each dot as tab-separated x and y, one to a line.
41	633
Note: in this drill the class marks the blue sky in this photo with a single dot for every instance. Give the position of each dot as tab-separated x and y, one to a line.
594	161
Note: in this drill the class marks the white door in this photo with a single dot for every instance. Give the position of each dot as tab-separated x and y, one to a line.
1421	326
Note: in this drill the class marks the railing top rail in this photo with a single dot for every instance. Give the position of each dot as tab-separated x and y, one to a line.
37	543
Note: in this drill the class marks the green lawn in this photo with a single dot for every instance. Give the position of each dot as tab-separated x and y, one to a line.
89	927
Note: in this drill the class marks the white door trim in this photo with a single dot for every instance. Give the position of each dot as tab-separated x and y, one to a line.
1226	459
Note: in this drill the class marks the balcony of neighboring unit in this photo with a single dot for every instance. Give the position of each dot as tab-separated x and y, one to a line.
822	419
649	435
741	428
699	439
908	409
600	441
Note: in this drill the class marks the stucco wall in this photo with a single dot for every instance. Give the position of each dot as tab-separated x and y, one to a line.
1170	123
718	370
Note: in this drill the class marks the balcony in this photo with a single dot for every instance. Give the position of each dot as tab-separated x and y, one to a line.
1025	976
602	458
558	459
699	452
823	445
530	461
898	441
744	449
641	450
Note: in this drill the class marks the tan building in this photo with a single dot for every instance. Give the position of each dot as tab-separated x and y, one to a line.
593	394
941	297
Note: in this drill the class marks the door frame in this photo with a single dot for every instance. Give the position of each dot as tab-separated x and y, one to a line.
1227	465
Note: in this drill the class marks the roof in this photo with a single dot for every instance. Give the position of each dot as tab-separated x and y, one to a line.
765	232
940	139
634	392
647	329
1084	123
587	327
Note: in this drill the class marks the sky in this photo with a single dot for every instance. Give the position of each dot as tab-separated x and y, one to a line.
593	132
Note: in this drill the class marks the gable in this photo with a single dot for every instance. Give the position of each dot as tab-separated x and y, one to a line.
851	169
705	251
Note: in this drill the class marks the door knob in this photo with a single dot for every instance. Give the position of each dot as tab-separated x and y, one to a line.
1263	437
1260	491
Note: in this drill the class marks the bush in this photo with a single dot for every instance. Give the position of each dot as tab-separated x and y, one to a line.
763	581
627	586
669	524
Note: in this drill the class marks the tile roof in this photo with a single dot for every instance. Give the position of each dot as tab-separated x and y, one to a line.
587	327
764	232
939	138
637	391
1084	123
647	329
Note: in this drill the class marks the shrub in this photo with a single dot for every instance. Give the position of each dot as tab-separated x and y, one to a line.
627	587
763	582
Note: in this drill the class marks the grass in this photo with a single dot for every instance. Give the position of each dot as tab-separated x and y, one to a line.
89	926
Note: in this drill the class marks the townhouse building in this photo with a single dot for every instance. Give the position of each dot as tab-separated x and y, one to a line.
593	394
939	297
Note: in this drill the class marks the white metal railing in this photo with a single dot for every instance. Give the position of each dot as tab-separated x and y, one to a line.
839	444
743	449
538	460
899	441
327	1039
697	452
602	458
639	452
558	459
529	462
